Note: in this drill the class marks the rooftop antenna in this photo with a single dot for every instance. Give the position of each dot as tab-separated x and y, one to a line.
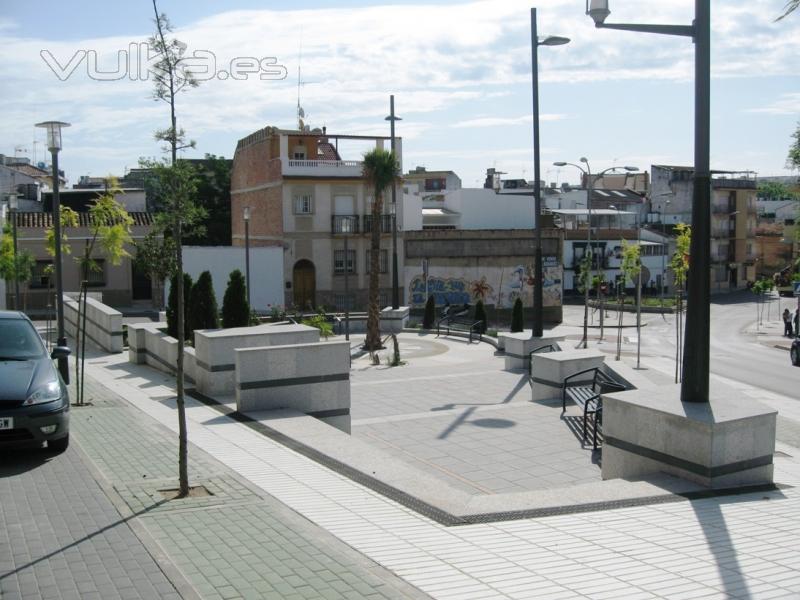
301	114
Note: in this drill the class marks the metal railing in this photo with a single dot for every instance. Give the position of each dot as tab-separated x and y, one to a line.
324	163
344	224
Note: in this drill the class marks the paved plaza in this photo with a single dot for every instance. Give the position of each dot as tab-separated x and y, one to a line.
277	524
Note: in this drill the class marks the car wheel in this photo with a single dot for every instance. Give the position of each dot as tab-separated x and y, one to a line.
59	445
795	354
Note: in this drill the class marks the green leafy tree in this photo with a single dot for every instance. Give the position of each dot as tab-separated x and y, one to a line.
235	310
380	170
517	318
793	158
155	255
430	313
631	267
680	268
319	321
172	308
14	267
203	304
480	315
774	190
214	197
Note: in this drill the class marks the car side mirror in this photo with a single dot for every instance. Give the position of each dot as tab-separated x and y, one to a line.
60	352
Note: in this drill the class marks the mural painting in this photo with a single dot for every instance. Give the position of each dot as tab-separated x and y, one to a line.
499	286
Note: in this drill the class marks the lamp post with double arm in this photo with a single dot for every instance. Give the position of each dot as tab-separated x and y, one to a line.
589	188
395	276
696	356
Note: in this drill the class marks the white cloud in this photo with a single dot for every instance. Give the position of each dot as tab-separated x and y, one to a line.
506	121
787	104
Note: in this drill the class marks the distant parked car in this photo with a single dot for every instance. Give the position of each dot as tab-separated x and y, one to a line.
794	353
34	402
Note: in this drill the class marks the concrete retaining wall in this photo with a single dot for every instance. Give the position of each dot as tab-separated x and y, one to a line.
214	351
312	378
103	323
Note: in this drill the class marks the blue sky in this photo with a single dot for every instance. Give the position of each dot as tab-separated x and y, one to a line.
460	73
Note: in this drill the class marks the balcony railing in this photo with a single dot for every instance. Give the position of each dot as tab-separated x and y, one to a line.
318	164
344	224
386	223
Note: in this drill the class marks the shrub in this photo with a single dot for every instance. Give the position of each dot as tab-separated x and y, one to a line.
320	322
517	322
172	306
430	313
480	315
235	310
203	308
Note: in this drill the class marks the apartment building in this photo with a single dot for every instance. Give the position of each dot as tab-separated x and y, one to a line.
306	193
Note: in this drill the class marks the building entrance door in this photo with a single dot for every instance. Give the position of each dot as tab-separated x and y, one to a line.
304	284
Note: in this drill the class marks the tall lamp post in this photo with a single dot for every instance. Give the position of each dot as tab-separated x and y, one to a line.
12	207
589	188
247	252
538	291
696	357
395	279
54	145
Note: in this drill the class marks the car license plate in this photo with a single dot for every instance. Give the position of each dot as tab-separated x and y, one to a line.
6	423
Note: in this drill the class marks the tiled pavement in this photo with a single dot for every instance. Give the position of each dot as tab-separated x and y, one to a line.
729	547
61	537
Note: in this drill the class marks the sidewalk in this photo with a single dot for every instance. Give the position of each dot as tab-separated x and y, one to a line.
729	547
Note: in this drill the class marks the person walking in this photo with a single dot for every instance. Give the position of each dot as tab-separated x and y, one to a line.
797	321
787	323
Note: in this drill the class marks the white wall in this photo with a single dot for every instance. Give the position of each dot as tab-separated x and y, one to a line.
266	271
411	212
483	209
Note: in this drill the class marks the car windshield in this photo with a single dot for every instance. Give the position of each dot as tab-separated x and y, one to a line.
19	340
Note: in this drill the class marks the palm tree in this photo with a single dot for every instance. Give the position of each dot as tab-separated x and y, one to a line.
791	6
380	171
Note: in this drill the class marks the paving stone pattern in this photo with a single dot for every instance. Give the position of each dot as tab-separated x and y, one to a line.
62	538
236	543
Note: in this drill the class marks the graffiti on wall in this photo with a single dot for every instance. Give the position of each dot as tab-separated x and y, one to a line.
499	286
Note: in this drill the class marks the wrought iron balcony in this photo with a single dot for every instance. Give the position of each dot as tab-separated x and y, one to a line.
386	223
341	224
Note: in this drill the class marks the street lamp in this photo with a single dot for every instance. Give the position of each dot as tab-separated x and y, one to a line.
345	226
538	288
12	208
395	280
247	252
589	188
54	145
696	357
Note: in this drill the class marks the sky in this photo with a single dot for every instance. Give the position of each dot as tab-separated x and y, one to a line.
460	72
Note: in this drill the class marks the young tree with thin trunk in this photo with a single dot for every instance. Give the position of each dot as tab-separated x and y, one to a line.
680	268
14	266
631	267
380	170
178	184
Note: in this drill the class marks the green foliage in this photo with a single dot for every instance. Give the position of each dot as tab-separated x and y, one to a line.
173	188
679	263
172	307
774	190
17	267
480	315
110	226
762	286
584	269
793	158
430	313
320	322
631	261
155	254
68	218
214	197
517	319
203	304
235	310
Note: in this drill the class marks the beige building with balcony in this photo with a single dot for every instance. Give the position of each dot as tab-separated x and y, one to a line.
305	197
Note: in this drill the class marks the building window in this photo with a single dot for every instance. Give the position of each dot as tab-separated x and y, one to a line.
338	262
299	152
383	261
303	204
96	277
42	273
435	185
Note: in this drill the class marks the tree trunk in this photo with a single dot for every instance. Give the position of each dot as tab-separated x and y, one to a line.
373	341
